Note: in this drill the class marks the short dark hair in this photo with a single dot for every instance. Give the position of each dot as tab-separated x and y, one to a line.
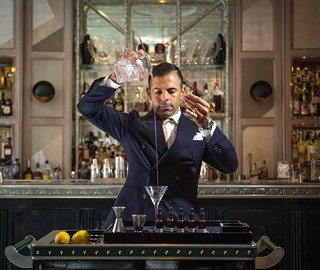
164	69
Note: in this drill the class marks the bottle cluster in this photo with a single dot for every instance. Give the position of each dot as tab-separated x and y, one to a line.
305	145
213	95
42	171
6	87
180	225
101	158
305	91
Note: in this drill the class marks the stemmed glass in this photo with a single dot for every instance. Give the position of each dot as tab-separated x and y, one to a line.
156	193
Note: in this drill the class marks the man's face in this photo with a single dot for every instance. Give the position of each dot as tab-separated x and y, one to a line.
165	94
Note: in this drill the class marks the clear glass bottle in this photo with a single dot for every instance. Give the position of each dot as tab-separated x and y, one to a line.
47	172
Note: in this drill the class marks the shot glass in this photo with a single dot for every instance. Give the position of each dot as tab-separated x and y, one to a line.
129	69
138	221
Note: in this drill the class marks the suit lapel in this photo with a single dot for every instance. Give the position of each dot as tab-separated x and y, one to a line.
185	133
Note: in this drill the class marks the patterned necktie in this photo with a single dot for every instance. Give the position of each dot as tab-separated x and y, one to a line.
169	139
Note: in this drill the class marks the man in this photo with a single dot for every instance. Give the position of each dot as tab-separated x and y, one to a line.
177	162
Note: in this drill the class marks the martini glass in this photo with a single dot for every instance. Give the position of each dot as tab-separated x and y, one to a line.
156	193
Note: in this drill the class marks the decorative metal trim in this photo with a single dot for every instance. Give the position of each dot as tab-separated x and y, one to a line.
105	191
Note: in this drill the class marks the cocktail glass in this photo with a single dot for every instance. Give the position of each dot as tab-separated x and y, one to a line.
156	193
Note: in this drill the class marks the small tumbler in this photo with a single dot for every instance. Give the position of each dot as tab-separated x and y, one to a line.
138	221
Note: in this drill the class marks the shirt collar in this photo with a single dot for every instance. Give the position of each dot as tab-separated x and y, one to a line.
176	116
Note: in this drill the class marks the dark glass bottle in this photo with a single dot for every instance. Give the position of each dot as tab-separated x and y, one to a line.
170	221
202	221
8	151
159	221
85	54
180	221
191	222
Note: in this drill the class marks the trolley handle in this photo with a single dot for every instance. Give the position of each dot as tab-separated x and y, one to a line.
274	257
15	257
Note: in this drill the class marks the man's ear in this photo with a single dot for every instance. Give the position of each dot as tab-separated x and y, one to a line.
148	91
183	91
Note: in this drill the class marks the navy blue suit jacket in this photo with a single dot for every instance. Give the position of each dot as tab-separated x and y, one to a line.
178	167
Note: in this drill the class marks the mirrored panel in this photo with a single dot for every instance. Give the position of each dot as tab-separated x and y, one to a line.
257	145
47	144
7	24
305	24
257	25
48	25
47	88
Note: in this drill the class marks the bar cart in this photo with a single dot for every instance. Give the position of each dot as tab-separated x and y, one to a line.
225	245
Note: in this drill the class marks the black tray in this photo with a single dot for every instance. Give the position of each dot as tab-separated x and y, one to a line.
218	232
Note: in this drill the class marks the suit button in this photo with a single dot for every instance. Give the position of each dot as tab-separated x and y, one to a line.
143	147
177	177
153	172
144	196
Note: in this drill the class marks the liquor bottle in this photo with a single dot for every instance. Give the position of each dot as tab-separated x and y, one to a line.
301	148
94	171
313	102
221	56
194	88
263	171
202	224
85	54
37	175
217	97
311	146
7	107
1	104
296	103
8	151
119	102
83	171
304	99
28	174
180	221
159	221
16	169
46	173
254	172
191	222
295	151
170	221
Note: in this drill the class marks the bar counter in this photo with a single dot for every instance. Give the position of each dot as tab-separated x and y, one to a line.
289	213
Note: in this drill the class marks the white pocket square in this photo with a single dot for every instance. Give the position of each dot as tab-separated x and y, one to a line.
197	137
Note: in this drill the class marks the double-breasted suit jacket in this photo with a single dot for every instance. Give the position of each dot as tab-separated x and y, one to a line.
178	167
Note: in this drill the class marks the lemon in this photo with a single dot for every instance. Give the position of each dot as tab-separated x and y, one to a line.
80	237
62	238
